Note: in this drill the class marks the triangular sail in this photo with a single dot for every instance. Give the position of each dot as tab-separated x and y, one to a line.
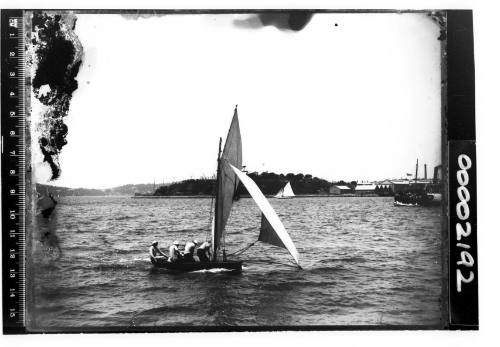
268	235
268	212
227	181
287	191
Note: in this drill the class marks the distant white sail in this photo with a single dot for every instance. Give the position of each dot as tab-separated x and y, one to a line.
285	192
268	212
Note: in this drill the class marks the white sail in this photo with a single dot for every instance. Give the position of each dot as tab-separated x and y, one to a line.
287	191
268	212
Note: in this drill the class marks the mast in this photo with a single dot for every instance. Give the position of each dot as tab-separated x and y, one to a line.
227	181
214	241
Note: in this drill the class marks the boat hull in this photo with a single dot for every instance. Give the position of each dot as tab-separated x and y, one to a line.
197	266
417	199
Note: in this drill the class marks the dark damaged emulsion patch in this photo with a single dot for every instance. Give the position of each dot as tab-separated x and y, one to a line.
294	21
439	17
57	56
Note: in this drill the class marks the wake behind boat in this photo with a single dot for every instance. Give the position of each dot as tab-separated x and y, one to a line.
197	265
229	174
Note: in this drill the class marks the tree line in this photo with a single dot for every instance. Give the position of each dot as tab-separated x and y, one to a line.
268	182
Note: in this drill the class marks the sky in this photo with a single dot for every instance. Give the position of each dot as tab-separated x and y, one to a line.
350	96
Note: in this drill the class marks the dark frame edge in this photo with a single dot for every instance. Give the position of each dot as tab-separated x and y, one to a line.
461	296
453	24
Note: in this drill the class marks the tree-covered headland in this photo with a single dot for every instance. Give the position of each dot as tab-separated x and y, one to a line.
268	182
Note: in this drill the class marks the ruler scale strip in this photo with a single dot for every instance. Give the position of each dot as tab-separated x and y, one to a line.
13	137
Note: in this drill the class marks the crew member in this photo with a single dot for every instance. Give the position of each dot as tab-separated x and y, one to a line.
155	252
175	254
189	250
203	251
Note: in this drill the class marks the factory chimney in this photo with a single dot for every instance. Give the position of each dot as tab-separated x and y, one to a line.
416	172
425	171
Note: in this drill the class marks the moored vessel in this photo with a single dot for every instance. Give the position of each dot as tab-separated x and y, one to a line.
419	193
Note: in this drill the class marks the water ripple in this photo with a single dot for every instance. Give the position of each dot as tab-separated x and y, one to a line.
364	262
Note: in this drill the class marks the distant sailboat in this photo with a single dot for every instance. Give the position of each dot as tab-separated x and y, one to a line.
228	176
286	192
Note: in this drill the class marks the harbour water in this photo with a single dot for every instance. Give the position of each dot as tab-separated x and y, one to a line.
365	262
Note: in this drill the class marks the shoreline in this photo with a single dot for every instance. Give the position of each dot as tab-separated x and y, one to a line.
267	196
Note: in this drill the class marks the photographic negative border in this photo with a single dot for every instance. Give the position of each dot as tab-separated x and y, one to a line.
461	158
459	232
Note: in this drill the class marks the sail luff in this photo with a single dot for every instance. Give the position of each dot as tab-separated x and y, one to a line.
227	181
268	212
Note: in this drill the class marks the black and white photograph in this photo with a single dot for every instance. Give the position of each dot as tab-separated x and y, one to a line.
238	170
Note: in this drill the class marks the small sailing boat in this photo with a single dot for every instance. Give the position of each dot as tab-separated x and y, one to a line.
286	192
229	174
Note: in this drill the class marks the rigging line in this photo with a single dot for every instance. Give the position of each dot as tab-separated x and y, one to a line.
243	249
290	263
224	242
295	264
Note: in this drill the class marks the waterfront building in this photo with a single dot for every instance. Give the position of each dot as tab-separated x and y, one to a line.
365	189
340	190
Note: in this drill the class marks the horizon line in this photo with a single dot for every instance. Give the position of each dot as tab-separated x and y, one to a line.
178	181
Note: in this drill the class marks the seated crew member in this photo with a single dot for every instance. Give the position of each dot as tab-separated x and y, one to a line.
175	254
189	250
155	252
203	251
